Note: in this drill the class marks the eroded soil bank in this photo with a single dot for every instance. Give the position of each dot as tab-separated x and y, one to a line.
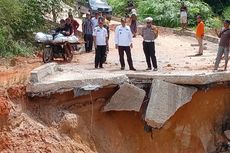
62	123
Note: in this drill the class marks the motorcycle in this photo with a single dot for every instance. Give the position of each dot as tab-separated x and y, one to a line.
61	47
57	50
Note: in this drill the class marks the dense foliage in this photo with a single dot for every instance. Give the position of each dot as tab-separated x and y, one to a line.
218	5
226	12
19	19
166	13
70	2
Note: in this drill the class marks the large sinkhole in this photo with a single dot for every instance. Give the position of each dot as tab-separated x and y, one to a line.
64	122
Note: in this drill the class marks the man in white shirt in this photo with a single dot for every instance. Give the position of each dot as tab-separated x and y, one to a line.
95	20
123	42
100	36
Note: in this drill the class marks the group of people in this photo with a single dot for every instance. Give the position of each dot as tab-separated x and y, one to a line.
224	36
88	26
123	42
96	32
68	26
199	29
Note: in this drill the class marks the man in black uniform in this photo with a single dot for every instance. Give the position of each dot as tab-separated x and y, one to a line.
149	34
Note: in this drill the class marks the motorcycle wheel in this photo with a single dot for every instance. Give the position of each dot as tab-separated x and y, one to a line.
47	55
68	58
68	54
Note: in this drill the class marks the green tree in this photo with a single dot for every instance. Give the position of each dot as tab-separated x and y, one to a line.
218	5
51	6
167	13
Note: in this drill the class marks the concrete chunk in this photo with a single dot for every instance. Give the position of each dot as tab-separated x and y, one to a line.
42	71
165	100
63	78
227	134
127	98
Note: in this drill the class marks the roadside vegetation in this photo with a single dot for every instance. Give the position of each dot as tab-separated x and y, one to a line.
19	19
166	13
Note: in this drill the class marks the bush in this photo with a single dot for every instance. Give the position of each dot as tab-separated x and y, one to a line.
214	22
226	13
119	6
167	13
10	47
18	20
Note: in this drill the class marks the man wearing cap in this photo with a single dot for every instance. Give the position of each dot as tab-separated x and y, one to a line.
87	29
224	36
100	36
149	34
200	35
123	42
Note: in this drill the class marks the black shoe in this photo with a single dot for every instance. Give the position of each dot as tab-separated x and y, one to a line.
199	54
122	68
133	69
149	68
101	67
155	69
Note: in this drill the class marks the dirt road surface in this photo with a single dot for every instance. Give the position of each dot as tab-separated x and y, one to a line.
173	54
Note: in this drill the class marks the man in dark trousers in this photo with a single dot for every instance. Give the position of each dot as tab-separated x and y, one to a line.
224	45
100	36
149	34
123	42
87	29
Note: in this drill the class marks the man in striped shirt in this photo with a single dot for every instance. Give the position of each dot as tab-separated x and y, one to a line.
87	29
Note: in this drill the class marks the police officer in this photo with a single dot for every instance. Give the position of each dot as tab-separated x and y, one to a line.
100	36
123	42
149	34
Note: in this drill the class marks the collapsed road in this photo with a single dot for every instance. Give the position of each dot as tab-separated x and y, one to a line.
74	108
168	92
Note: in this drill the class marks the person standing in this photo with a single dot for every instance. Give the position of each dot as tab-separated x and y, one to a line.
123	42
74	24
149	34
133	24
100	36
224	45
95	20
200	35
183	16
87	29
106	26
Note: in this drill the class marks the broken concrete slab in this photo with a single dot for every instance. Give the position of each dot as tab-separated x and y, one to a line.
57	79
127	98
227	134
165	100
185	77
42	71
